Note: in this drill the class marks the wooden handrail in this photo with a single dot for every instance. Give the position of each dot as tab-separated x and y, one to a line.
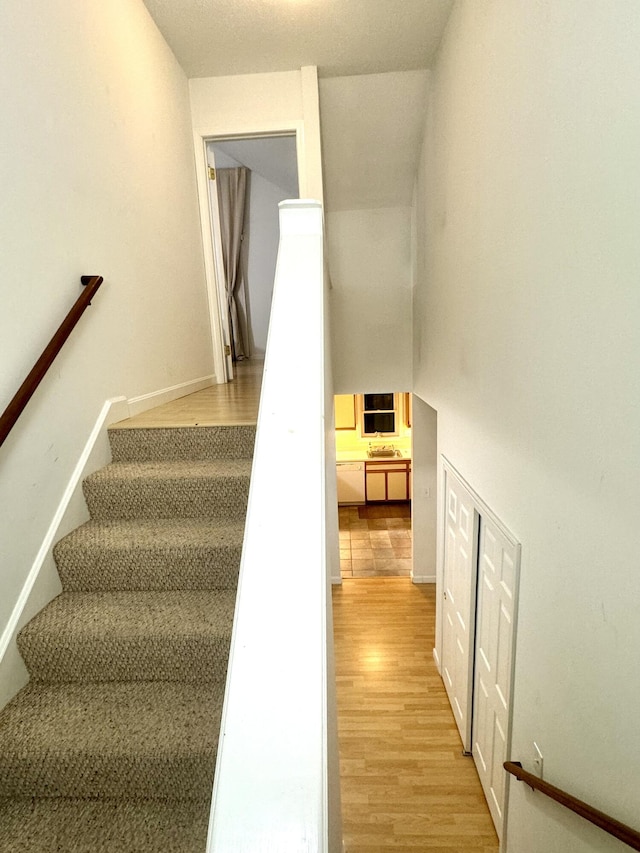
619	830
25	392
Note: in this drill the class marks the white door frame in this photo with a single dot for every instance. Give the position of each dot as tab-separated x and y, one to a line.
218	262
484	511
209	224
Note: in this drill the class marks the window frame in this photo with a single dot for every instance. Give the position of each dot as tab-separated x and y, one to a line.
395	412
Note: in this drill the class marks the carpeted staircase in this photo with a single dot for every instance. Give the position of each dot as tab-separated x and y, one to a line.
111	746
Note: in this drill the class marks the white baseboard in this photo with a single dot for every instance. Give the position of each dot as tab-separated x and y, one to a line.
140	404
437	660
423	578
42	583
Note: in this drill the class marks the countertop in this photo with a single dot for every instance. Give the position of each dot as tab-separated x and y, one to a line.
361	456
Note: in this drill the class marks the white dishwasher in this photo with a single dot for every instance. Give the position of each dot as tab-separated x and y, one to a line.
350	482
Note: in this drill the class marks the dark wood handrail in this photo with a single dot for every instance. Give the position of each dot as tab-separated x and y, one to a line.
608	824
25	392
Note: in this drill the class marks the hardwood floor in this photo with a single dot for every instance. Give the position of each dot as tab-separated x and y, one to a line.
405	783
235	402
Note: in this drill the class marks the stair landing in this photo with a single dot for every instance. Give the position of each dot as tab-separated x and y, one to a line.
235	402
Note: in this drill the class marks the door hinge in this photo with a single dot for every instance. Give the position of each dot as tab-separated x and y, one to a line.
227	349
212	173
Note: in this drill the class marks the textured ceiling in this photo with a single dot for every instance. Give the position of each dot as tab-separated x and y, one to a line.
370	55
211	38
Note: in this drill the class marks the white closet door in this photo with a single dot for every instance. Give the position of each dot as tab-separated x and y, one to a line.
497	579
459	582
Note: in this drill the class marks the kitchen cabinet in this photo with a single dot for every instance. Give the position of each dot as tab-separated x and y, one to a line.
345	411
407	409
376	483
388	481
398	485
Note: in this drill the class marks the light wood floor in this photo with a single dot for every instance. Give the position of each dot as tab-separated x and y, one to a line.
235	402
405	783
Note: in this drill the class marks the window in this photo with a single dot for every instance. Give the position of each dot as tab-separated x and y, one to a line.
379	414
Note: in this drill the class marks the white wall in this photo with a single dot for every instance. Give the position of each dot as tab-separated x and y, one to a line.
96	169
526	317
424	462
370	263
263	235
371	133
371	130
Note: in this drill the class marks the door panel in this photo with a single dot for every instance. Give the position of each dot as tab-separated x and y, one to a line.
345	411
493	662
397	486
376	486
460	573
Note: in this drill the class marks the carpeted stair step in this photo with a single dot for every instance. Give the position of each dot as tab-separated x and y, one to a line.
162	554
127	490
147	740
175	444
103	826
111	746
130	636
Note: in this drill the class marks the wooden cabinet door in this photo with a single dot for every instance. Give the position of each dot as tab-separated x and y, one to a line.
376	486
345	408
397	485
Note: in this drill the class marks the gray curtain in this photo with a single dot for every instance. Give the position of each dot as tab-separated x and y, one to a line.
232	193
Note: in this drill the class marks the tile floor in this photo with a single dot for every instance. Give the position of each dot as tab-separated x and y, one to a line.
375	540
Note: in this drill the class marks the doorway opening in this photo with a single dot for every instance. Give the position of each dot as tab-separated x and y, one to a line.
248	176
374	461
